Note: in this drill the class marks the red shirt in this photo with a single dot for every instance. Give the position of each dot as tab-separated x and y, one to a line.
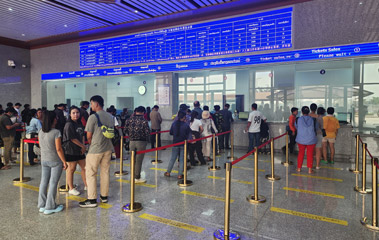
292	120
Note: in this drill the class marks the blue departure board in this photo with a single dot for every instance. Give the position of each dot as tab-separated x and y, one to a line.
323	53
256	32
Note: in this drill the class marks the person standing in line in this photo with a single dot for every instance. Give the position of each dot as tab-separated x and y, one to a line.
112	111
99	153
84	105
74	148
306	138
291	129
52	162
331	126
313	110
26	115
321	114
219	121
124	116
60	117
196	129
254	127
226	126
32	130
156	121
208	126
180	131
196	108
138	130
8	133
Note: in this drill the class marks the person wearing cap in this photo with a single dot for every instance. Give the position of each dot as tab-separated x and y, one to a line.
208	125
306	138
7	133
156	121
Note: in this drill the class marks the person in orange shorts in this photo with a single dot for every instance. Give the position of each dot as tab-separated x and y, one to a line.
331	126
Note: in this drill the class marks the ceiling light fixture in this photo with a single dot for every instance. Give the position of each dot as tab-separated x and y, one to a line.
360	3
65	25
355	21
23	34
136	11
10	9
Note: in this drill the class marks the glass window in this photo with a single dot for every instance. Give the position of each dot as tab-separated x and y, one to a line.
263	79
371	72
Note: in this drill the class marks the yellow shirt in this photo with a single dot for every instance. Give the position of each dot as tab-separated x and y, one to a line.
331	126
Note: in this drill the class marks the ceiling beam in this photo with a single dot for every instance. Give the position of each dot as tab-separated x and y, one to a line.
136	8
194	3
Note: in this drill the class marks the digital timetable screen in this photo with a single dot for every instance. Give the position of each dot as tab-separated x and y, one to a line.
256	32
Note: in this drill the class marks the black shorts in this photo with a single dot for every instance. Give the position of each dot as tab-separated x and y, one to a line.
74	158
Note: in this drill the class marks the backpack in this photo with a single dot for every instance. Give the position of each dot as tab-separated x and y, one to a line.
314	124
264	130
108	132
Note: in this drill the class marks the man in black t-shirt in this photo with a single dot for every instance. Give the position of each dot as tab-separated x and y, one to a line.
8	132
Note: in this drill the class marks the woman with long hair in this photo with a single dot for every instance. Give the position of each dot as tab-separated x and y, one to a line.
208	125
180	131
74	148
52	162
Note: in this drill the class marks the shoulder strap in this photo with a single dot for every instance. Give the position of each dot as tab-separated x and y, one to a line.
314	124
99	124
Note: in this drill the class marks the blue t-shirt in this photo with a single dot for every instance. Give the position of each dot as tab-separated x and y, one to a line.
182	134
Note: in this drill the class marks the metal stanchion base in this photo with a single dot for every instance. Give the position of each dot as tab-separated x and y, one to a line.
214	169
251	199
272	178
118	174
155	162
354	171
360	190
219	235
287	163
25	179
181	183
63	188
368	224
136	208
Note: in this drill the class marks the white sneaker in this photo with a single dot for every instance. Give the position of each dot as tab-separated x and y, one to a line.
74	192
141	180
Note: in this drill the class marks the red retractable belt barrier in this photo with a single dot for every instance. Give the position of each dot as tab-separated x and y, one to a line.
20	130
280	136
243	157
264	144
222	133
32	140
199	139
369	153
360	139
160	148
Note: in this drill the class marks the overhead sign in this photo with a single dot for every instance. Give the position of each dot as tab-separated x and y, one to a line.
345	51
255	32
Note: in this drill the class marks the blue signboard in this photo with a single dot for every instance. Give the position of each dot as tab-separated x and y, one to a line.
364	49
256	32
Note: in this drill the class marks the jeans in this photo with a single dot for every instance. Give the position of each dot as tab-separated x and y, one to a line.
177	151
138	146
196	147
254	140
292	142
226	138
51	173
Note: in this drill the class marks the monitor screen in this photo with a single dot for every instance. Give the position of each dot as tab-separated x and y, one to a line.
243	115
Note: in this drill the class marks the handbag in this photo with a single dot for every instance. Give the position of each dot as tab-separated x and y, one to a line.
323	132
37	150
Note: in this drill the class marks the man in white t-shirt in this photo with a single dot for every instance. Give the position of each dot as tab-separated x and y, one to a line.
254	126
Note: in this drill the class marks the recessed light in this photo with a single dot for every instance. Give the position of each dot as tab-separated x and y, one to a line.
360	3
23	35
355	21
65	25
10	9
136	11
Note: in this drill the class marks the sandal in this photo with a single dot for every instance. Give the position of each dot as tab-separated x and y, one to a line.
167	174
180	176
298	170
310	171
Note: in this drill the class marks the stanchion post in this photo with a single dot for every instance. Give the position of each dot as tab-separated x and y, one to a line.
22	179
231	146
255	198
64	188
156	160
363	189
287	162
184	182
373	224
356	170
121	172
214	167
226	234
132	206
272	177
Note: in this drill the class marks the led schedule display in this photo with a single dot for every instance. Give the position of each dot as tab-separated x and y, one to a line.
256	32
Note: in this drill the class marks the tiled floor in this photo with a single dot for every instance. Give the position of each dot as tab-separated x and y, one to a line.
195	212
